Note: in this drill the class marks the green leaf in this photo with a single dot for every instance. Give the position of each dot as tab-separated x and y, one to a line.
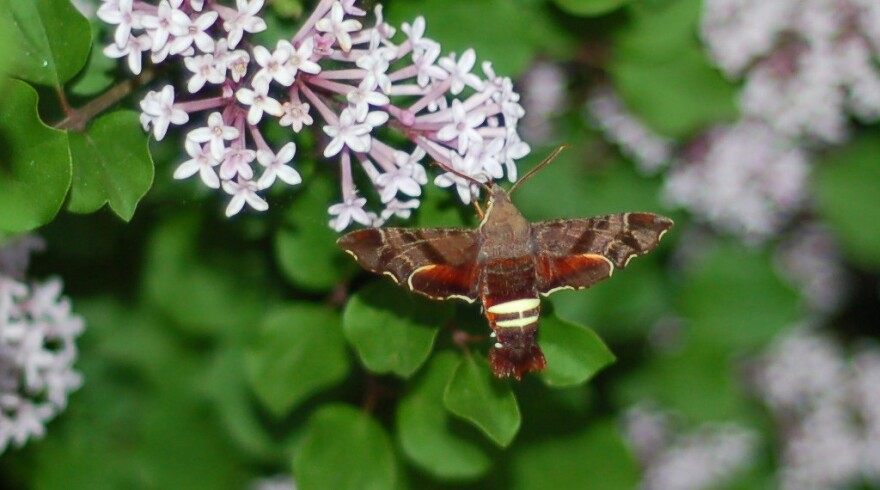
99	72
733	298
657	30
477	396
51	41
35	164
699	382
206	290
686	92
226	385
299	351
848	193
111	164
127	428
462	25
392	329
306	245
592	459
579	190
589	7
574	353
343	448
429	437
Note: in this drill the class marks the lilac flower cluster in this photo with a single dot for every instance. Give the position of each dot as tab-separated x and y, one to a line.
367	89
706	457
650	151
828	408
810	259
744	179
37	352
807	64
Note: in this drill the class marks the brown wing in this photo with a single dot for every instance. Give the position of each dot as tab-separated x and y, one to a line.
440	263
577	253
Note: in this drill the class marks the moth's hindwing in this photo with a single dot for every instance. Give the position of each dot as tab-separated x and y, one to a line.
577	253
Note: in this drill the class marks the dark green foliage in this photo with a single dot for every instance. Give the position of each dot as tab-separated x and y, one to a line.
218	351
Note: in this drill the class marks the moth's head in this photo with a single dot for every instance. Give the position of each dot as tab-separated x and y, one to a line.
516	352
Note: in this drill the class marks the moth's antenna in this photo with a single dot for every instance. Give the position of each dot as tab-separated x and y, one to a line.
463	176
537	167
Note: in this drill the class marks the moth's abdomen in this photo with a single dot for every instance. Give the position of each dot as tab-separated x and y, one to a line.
512	307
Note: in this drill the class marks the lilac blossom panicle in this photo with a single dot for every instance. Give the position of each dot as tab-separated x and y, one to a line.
808	65
810	259
650	151
706	457
827	406
358	84
544	98
37	352
744	179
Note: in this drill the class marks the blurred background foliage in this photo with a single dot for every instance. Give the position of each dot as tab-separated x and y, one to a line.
221	351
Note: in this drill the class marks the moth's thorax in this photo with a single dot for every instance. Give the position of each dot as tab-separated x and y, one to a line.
504	232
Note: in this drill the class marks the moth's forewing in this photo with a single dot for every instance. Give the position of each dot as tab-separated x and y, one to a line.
437	262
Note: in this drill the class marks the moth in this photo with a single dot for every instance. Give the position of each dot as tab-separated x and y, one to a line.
507	263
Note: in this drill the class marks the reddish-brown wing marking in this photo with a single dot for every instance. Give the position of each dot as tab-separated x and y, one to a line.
577	253
439	263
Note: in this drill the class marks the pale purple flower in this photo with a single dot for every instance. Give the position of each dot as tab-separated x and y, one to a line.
161	25
259	100
37	352
428	70
300	58
463	127
274	65
376	67
395	207
460	71
408	178
708	456
827	408
159	111
216	133
205	69
416	34
350	210
202	161
338	28
120	13
465	165
746	180
193	32
347	132
237	63
514	149
295	115
545	97
276	166
245	19
363	97
237	161
650	151
132	48
807	64
487	156
243	191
